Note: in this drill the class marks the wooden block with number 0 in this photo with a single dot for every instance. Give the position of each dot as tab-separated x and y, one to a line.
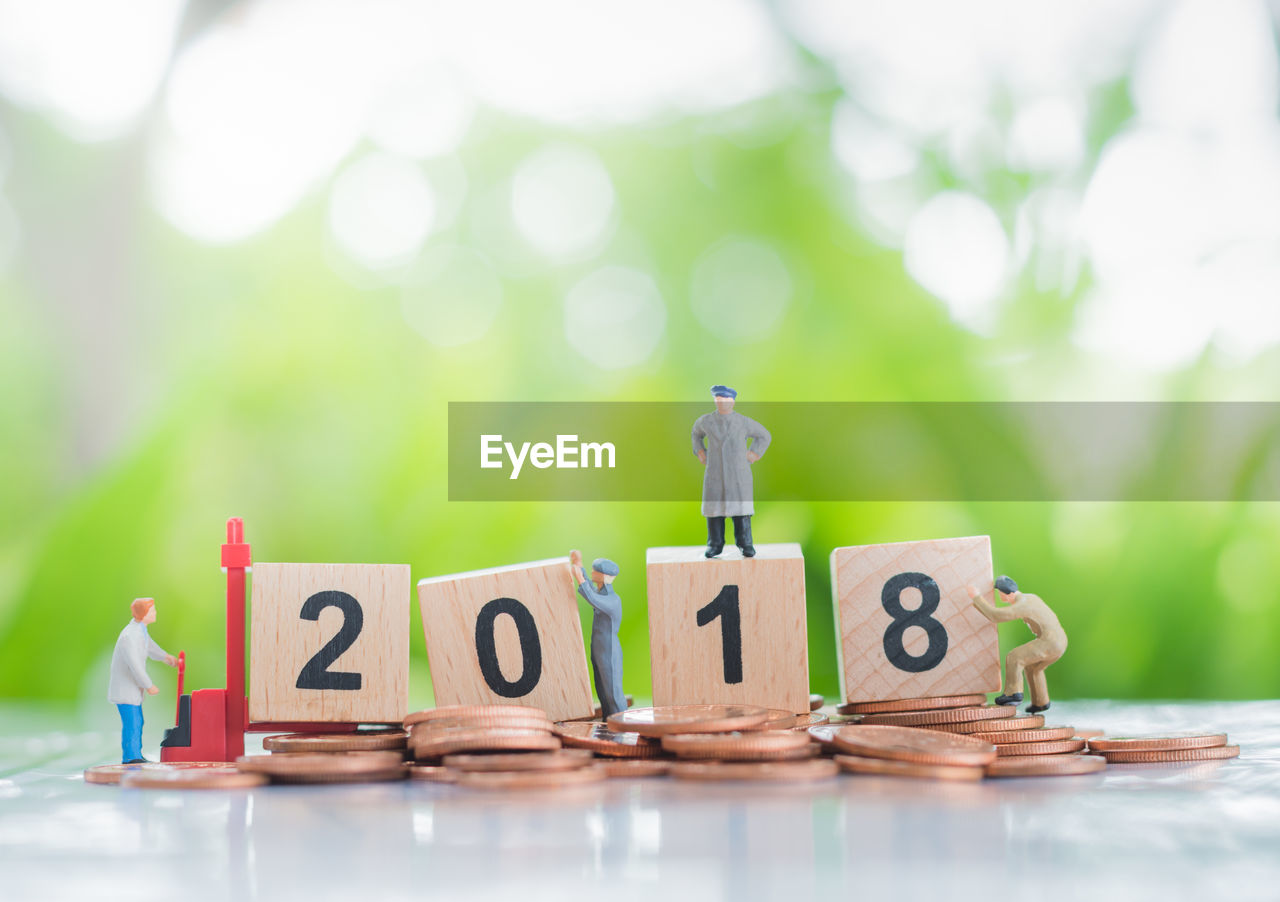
906	626
329	643
728	630
507	635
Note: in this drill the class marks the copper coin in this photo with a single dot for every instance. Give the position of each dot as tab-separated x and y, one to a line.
813	719
225	777
1040	734
778	720
560	759
633	767
1157	742
481	722
1051	747
375	776
816	701
303	764
1090	732
467	711
825	734
359	741
600	739
764	771
110	774
535	779
1002	725
916	746
1211	753
942	715
900	705
431	773
464	739
688	719
1046	766
856	764
754	746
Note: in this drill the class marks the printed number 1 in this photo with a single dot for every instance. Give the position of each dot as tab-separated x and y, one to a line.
725	606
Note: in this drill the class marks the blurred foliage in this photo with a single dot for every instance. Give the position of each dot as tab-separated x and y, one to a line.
257	382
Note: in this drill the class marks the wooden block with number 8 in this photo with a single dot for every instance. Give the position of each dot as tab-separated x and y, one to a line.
329	643
906	626
507	636
728	630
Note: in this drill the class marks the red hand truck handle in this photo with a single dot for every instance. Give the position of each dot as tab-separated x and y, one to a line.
182	671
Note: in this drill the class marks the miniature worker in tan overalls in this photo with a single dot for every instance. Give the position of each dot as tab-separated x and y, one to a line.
1033	657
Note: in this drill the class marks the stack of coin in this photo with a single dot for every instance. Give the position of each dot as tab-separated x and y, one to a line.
890	750
1155	748
449	730
374	740
326	767
172	775
726	742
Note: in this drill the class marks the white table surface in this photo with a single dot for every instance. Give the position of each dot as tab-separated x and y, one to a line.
1166	832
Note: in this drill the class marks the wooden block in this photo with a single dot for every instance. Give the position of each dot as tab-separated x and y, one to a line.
507	636
905	624
329	643
728	631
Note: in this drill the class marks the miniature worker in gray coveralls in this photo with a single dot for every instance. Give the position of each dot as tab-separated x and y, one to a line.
726	484
606	651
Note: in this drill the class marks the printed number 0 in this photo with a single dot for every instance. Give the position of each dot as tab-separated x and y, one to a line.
487	648
316	674
891	601
725	605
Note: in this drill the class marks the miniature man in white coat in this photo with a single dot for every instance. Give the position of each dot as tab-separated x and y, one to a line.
726	484
129	676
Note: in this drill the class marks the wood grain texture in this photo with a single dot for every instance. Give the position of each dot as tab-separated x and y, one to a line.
450	606
688	660
858	577
282	642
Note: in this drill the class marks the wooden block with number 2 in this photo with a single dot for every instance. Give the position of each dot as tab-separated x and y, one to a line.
905	624
329	643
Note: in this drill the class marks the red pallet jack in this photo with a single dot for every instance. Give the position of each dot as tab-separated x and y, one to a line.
211	723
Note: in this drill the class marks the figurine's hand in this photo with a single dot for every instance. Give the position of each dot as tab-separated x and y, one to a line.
752	457
575	558
171	660
152	690
972	590
702	456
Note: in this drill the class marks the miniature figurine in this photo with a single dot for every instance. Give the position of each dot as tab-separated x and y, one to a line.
1034	656
129	676
726	483
606	651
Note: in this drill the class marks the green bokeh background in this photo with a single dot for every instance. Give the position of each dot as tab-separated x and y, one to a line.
253	380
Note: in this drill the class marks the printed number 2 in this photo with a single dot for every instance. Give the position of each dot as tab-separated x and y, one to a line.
316	674
891	601
487	648
725	606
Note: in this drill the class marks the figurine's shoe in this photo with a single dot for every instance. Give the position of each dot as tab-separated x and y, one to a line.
715	536
742	535
139	761
1015	699
1036	709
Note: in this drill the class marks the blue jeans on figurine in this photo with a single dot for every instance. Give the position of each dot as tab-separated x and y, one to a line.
130	732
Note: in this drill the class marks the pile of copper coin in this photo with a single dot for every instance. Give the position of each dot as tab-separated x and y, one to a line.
513	747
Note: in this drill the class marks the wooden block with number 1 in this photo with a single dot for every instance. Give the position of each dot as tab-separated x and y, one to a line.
728	630
329	643
507	636
905	625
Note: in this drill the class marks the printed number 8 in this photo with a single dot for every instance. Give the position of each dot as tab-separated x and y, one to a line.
930	597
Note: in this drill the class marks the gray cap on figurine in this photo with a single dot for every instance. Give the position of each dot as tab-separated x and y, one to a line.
1006	586
723	391
605	566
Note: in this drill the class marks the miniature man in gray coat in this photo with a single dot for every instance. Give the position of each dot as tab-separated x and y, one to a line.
606	651
726	484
